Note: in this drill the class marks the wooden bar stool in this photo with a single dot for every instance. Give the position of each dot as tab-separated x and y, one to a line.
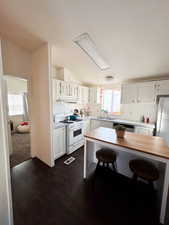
107	157
145	170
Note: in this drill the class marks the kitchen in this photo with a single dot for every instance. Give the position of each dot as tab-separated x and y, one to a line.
143	108
61	148
98	77
138	103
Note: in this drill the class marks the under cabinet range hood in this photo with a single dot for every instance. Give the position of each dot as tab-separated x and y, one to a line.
85	42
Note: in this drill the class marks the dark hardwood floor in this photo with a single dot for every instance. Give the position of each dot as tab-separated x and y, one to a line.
59	196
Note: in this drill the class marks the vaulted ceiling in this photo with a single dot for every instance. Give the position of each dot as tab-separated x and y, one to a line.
133	36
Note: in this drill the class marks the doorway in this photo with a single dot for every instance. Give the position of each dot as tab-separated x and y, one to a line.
18	120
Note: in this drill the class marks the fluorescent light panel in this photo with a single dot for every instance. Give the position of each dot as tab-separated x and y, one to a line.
85	42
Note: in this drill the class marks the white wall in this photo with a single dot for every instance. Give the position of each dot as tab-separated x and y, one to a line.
6	217
64	74
16	61
41	113
34	67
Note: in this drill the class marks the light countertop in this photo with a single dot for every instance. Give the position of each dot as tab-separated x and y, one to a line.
123	121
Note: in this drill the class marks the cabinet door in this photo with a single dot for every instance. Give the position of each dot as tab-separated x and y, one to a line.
54	94
146	92
71	90
143	130
86	95
129	94
86	126
56	89
94	124
107	124
63	90
94	95
162	87
75	91
83	94
59	142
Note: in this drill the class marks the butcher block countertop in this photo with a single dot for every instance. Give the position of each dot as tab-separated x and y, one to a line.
143	143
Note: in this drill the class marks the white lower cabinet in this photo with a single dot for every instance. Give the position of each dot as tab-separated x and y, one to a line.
143	130
59	142
86	126
100	123
107	124
94	124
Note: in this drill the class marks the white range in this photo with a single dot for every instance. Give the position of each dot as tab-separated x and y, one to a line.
75	135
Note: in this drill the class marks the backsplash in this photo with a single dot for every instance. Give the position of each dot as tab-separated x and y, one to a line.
138	110
128	111
67	108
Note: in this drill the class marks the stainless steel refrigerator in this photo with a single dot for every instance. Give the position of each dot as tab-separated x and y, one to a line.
162	124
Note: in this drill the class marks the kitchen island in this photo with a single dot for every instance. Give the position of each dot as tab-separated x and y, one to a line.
150	147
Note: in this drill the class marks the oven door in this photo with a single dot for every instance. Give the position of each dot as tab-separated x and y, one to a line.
75	134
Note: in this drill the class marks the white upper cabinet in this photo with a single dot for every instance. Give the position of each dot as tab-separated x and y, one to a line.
146	92
84	94
57	90
129	94
162	87
69	92
138	93
94	95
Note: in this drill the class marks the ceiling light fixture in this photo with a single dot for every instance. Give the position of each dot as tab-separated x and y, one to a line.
85	42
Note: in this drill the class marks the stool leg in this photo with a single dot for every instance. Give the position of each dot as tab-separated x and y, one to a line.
134	183
98	164
107	165
151	185
135	177
114	167
95	173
